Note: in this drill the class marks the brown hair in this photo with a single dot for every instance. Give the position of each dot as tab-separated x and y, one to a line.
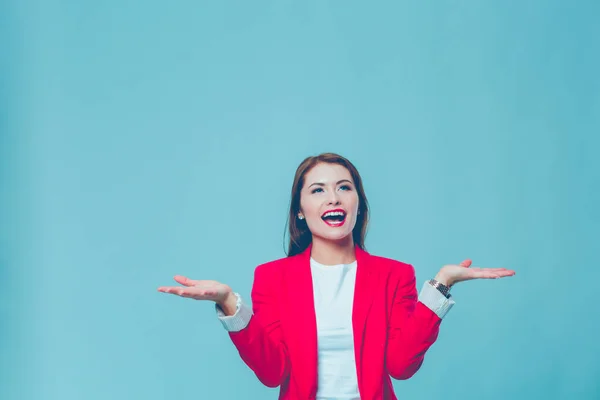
299	234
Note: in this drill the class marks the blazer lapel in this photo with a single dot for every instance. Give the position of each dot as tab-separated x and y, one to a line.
303	322
364	292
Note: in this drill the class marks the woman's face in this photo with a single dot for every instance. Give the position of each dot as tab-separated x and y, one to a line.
329	187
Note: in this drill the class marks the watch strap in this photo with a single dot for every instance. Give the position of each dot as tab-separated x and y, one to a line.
443	289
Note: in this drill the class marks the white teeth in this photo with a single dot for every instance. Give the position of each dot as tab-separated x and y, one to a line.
332	214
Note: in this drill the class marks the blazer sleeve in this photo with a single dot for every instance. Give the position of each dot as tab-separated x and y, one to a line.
261	344
412	328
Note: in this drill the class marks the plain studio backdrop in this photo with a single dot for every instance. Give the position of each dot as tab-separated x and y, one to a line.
140	140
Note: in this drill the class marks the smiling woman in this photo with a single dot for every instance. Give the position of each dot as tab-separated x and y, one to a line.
330	320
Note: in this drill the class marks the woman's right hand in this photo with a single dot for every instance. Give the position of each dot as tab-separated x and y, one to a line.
204	290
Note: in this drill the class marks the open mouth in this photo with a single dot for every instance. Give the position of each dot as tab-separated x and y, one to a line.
334	217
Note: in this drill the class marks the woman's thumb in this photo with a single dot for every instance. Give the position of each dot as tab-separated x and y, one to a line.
184	281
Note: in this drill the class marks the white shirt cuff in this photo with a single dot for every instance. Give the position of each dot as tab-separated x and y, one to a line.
237	321
435	300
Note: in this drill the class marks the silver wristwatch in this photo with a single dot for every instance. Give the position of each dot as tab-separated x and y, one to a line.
445	290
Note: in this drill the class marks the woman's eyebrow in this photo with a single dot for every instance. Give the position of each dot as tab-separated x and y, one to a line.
338	182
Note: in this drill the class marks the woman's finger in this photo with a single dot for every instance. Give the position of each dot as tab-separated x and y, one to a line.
466	263
192	292
498	270
179	290
492	269
187	293
168	289
185	281
482	275
490	274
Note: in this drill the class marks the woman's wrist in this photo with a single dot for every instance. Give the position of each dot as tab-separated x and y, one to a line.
229	304
443	279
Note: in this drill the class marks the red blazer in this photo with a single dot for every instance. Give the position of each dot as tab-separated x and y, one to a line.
392	329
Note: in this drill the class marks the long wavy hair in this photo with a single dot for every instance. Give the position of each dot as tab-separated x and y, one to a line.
299	234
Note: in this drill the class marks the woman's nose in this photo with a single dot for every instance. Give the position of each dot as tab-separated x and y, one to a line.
333	199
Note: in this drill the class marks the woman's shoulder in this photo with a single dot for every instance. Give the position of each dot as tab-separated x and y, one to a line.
278	264
391	265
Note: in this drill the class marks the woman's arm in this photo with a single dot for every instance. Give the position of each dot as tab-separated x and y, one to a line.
258	337
413	326
260	343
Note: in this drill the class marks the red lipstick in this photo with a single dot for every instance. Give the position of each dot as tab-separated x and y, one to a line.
334	222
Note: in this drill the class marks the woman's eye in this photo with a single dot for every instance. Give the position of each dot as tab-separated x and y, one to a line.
344	187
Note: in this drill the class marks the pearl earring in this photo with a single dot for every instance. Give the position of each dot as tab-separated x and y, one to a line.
300	216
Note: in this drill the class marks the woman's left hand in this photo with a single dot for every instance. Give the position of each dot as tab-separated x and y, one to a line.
452	274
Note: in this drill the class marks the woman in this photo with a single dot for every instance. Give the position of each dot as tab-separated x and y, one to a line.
331	321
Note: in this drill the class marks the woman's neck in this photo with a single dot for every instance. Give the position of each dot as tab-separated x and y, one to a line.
328	252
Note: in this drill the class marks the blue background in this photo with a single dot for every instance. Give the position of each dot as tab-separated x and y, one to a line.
140	140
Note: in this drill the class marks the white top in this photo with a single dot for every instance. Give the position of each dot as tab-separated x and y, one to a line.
333	289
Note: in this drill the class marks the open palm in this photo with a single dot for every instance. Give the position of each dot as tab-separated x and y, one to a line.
453	274
198	289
